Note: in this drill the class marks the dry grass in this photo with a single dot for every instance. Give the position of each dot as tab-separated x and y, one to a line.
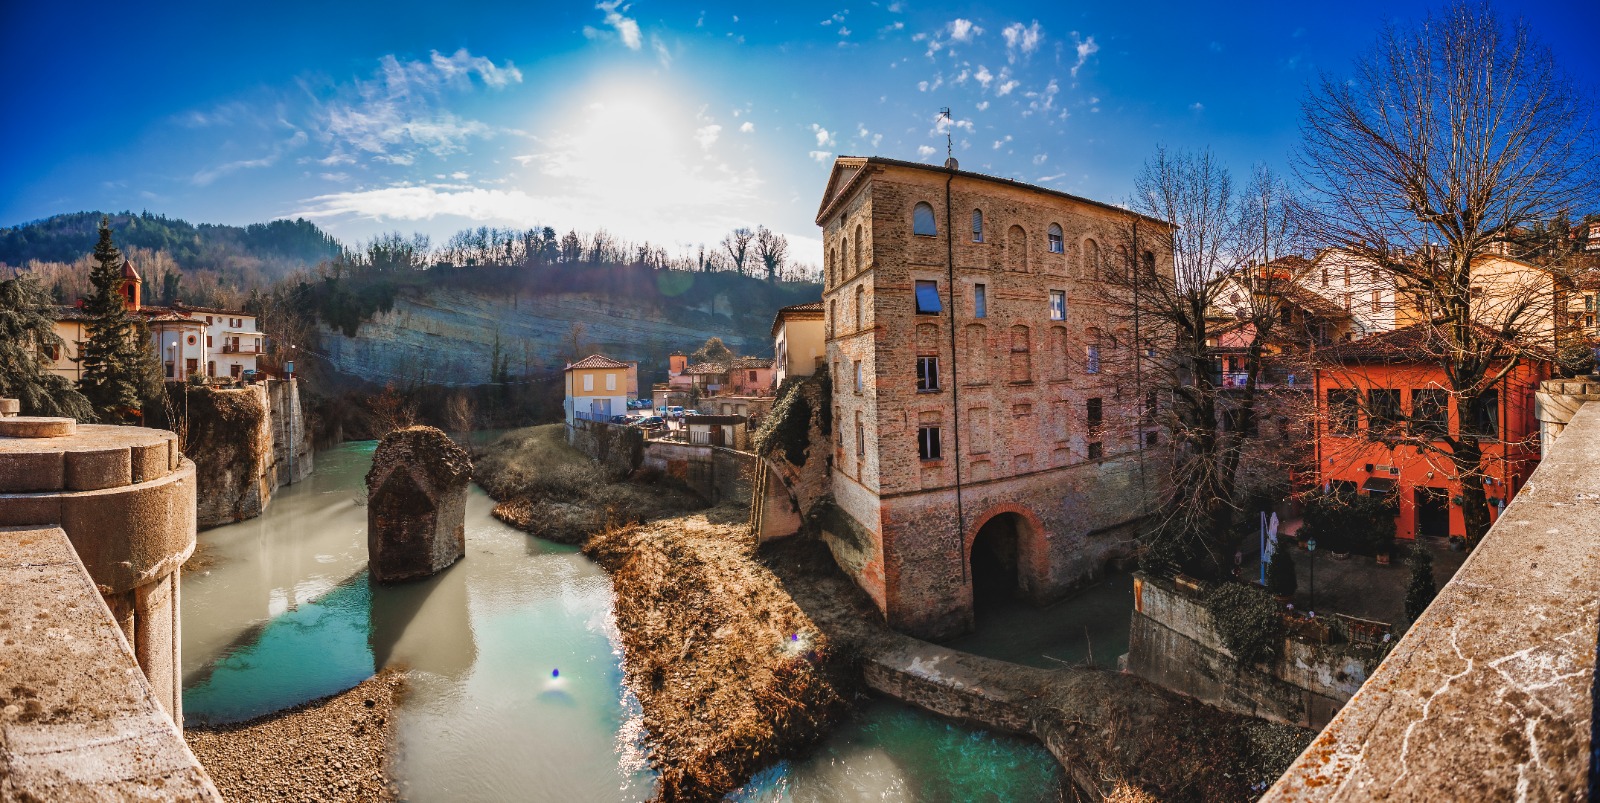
731	673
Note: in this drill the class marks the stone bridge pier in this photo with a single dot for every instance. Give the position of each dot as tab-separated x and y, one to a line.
125	498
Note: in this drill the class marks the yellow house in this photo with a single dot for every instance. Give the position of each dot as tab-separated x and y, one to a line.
797	339
597	388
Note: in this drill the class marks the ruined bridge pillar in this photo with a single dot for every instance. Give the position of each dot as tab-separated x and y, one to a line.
126	499
416	504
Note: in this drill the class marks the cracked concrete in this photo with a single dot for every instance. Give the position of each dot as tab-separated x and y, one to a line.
1489	696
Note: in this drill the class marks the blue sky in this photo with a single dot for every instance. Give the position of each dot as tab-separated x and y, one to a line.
671	122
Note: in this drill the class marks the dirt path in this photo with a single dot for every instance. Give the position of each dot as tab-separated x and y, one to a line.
334	749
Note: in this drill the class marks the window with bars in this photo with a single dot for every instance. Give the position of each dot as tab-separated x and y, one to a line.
928	443
927	374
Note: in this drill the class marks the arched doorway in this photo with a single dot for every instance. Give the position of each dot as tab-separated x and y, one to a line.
994	561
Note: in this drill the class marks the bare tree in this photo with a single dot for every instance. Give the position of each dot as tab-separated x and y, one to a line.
1452	135
773	249
1218	285
460	413
737	244
390	411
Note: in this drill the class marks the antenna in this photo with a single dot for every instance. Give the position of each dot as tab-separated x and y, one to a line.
944	114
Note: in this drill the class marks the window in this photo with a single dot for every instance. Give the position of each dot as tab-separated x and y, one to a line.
1054	234
1152	405
1017	249
1588	303
1347	276
858	248
192	365
1344	407
208	341
1094	416
1324	277
861	305
1486	414
1091	360
861	437
1152	440
1091	259
980	301
831	264
1377	300
588	381
611	381
1058	305
233	370
833	315
1383	410
928	443
927	374
922	221
1428	416
858	377
208	320
928	298
53	351
1096	450
752	377
171	369
977	225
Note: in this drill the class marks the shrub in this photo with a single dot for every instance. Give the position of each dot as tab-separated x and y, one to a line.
1280	572
1350	523
787	427
1420	589
1248	620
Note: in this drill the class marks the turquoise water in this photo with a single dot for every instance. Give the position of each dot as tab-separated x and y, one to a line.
278	611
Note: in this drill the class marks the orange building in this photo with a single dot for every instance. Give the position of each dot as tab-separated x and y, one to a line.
1383	406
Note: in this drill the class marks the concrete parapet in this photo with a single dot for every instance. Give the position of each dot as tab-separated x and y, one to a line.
10	408
1556	401
416	504
26	426
78	721
126	501
1490	695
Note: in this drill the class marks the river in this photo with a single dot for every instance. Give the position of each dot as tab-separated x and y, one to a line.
516	688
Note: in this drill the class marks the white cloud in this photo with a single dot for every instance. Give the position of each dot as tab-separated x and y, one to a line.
707	135
339	177
982	105
820	156
1197	106
1086	48
824	138
463	65
1040	158
922	86
1005	88
983	76
204	177
663	55
897	25
627	28
747	128
926	150
1022	40
963	30
999	142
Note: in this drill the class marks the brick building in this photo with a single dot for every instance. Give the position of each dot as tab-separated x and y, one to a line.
980	449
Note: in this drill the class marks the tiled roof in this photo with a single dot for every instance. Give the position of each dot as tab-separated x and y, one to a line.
707	368
596	361
753	362
1418	343
149	314
808	311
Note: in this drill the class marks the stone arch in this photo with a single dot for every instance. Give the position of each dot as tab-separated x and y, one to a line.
1091	259
1017	249
859	238
1009	540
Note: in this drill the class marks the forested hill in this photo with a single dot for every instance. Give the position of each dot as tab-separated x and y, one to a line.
206	246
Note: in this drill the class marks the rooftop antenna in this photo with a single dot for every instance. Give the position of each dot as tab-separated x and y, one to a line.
949	148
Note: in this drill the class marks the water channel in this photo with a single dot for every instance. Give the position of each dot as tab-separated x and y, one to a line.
278	611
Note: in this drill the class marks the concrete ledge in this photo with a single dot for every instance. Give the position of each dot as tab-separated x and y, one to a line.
1489	696
36	427
91	458
78	720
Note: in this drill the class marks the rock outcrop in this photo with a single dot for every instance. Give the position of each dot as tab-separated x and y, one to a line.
416	504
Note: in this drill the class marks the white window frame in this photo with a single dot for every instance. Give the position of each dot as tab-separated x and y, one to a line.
929	445
1058	305
1053	235
588	382
927	374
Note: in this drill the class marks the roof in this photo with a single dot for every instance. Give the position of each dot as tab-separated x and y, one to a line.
148	313
707	368
179	305
811	310
596	361
1417	343
838	190
130	272
752	362
713	419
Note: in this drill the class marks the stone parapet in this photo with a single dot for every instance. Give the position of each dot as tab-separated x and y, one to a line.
78	721
1555	403
1490	695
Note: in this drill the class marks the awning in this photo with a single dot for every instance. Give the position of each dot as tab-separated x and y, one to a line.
1378	485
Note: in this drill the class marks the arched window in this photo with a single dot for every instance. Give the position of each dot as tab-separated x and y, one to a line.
833	316
1091	259
833	265
861	305
844	251
977	225
858	247
922	220
1017	249
1149	261
1056	245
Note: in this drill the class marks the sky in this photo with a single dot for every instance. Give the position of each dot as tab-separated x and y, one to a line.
670	122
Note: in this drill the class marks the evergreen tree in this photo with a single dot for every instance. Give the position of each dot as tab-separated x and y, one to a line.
1420	589
27	338
119	372
1281	579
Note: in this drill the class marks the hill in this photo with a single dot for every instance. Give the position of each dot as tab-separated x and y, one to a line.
204	246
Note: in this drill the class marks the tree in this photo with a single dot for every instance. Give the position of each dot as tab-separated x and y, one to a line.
119	367
737	244
1281	579
1420	588
27	339
390	411
773	249
712	351
1455	132
1219	244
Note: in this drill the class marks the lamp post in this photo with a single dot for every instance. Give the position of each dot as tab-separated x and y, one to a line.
1311	546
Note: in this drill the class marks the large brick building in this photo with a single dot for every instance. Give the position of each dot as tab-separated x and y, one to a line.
988	415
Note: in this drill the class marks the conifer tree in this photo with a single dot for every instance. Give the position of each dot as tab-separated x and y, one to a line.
119	373
27	339
1420	590
1281	578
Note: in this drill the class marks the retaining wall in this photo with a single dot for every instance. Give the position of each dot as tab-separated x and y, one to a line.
715	473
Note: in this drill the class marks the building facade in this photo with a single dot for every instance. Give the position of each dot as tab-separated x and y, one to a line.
982	445
797	341
597	389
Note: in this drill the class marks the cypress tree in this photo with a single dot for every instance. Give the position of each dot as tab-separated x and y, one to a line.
1281	578
119	372
27	336
1420	589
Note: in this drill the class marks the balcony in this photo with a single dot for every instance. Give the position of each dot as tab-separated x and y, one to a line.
229	348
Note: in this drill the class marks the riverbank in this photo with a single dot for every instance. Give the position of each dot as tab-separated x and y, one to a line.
548	489
730	673
334	749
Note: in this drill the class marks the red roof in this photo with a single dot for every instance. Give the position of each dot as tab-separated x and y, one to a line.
596	361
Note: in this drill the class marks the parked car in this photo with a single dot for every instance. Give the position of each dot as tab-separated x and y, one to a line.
650	422
675	412
619	419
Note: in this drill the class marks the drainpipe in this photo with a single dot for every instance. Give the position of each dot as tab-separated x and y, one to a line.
955	385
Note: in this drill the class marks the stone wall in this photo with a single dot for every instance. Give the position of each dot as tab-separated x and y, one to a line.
289	427
1173	642
1491	693
618	449
246	443
715	473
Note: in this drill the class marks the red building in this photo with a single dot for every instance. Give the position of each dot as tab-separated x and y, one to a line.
1383	408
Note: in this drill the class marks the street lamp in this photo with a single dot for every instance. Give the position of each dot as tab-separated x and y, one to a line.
1311	546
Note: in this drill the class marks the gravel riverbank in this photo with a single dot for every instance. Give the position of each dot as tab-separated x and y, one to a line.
333	749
